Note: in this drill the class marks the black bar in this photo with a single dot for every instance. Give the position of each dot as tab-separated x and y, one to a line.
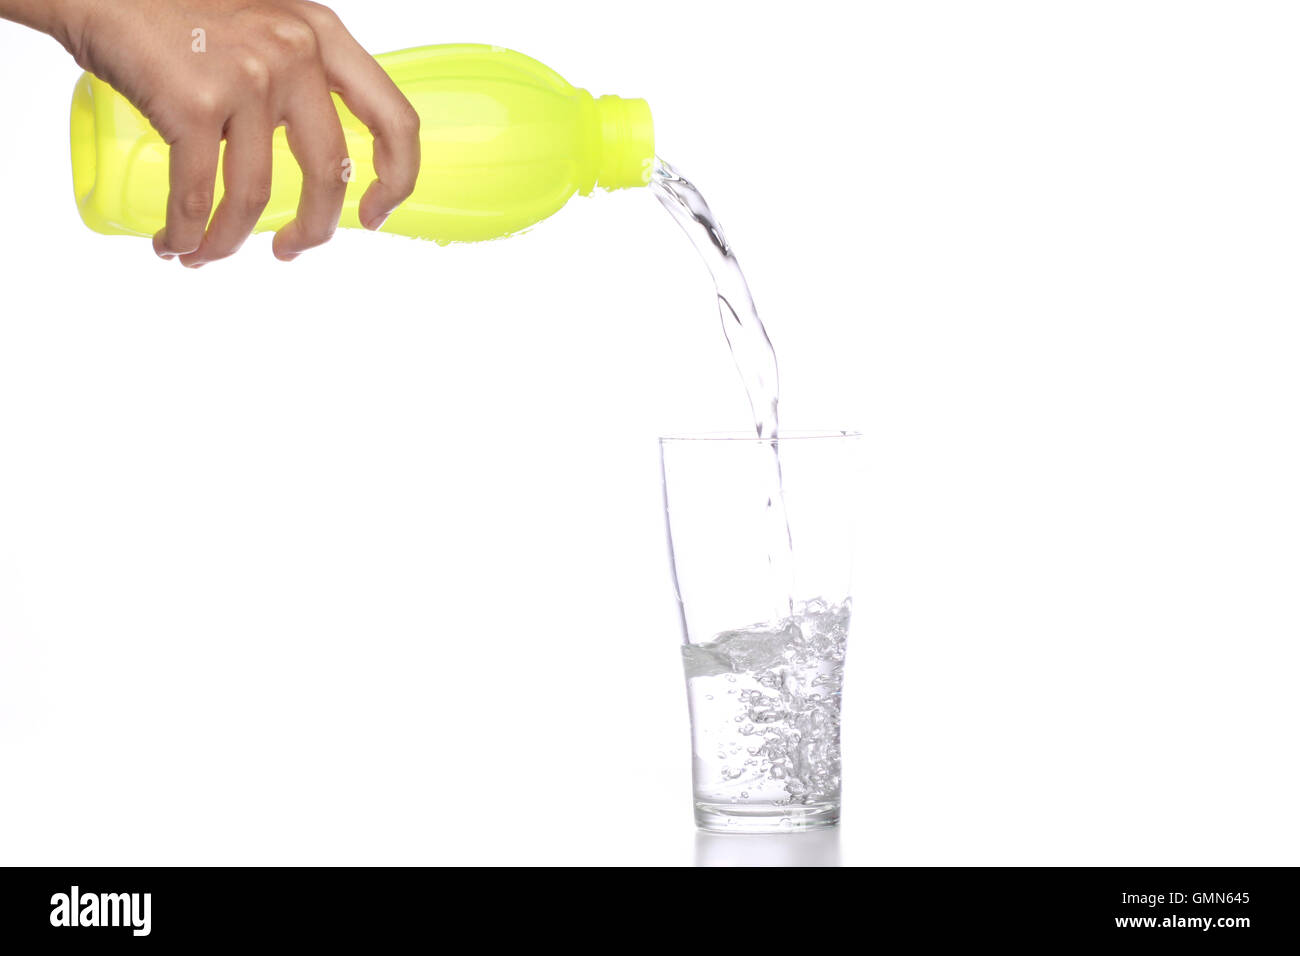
1228	907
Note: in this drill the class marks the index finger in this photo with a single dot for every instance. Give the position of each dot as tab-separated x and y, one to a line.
374	98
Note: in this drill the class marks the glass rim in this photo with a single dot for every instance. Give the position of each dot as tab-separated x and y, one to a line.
796	434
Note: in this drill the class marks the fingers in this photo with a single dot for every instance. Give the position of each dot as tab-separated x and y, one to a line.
193	172
246	172
316	140
375	100
281	73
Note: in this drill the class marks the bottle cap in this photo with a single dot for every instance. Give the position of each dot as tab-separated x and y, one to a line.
627	142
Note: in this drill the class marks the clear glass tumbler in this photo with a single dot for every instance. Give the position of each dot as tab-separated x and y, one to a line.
762	559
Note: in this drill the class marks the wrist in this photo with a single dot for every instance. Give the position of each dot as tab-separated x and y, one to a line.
66	21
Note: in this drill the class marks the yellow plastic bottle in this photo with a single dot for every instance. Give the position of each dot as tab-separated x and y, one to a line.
505	143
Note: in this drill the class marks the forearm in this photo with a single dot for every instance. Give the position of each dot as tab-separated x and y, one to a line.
61	19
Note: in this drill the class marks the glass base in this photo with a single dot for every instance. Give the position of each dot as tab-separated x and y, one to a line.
765	817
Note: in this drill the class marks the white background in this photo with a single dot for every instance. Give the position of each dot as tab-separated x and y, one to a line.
361	559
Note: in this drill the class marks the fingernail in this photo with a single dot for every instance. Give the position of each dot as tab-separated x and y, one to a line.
166	255
377	221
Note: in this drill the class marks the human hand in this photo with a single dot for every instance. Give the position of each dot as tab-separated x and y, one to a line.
264	64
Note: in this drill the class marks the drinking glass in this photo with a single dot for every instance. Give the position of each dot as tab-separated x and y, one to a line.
761	542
